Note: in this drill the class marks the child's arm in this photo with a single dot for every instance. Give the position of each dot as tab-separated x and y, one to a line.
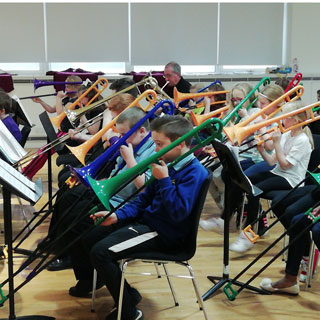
281	158
59	105
46	106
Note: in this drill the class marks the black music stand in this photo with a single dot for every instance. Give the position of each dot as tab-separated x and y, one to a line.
13	182
51	136
235	175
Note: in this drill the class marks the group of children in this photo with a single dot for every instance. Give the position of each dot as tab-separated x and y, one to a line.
159	217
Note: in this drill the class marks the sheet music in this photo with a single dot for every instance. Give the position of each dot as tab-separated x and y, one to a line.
22	109
18	182
9	146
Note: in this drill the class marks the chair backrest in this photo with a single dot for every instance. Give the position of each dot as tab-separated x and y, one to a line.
195	214
314	158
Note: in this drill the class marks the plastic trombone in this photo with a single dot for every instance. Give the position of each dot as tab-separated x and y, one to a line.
41	83
240	133
74	115
230	131
56	121
81	150
294	82
95	166
107	188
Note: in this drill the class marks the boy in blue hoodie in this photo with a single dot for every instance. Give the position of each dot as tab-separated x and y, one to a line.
158	219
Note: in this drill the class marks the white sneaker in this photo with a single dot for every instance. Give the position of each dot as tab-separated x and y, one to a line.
212	224
242	244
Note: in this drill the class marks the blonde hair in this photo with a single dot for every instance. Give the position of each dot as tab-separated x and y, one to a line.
301	116
245	88
272	92
73	79
197	86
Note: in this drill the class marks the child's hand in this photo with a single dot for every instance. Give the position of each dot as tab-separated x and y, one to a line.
127	152
112	219
242	112
61	95
37	100
74	134
276	136
160	171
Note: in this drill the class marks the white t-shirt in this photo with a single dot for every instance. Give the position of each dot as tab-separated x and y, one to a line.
297	151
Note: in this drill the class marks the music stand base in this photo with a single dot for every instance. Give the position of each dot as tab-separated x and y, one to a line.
221	281
25	252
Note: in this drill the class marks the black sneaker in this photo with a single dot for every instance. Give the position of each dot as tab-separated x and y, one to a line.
135	295
113	315
60	264
83	288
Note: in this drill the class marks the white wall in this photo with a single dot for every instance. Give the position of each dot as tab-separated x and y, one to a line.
305	44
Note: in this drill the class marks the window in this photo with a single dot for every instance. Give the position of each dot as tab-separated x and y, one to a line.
21	67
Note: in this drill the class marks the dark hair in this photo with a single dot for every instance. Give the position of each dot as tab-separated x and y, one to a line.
133	115
282	82
172	127
218	97
124	83
83	88
318	91
120	102
5	102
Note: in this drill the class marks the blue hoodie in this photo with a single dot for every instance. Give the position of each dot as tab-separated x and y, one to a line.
166	204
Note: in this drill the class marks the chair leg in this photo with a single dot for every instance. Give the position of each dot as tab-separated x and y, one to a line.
196	290
176	303
23	212
94	284
123	267
285	253
310	267
157	269
241	214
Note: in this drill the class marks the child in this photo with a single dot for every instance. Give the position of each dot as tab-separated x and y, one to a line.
289	284
5	107
125	122
161	213
62	98
291	155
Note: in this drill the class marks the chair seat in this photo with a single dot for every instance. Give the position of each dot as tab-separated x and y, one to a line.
180	256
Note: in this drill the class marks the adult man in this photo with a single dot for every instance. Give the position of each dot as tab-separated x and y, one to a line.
172	73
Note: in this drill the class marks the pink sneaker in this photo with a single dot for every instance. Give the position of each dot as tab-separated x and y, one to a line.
305	266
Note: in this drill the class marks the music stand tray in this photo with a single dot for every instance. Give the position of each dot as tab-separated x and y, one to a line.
235	174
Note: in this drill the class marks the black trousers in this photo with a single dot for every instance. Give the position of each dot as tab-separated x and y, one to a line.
105	246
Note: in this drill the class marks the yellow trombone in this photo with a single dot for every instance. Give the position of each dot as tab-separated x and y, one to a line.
56	121
81	150
198	119
240	133
180	96
230	131
74	115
